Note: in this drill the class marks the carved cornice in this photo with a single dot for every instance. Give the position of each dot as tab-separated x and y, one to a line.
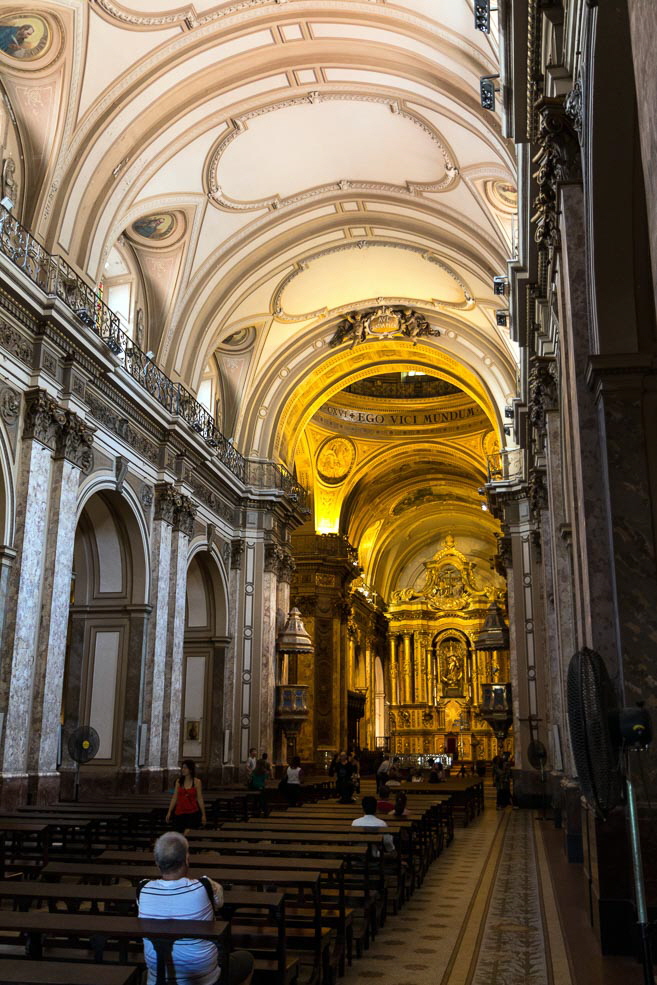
559	160
121	426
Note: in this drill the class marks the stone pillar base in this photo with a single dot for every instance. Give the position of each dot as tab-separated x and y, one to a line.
44	788
13	791
530	791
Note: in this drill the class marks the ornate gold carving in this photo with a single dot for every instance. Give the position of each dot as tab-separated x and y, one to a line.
449	582
383	323
335	460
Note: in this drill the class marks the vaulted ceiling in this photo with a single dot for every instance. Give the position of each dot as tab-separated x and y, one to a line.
241	175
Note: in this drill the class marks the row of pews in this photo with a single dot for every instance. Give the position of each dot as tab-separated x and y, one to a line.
304	891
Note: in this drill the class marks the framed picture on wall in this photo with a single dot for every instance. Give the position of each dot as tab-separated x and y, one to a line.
192	730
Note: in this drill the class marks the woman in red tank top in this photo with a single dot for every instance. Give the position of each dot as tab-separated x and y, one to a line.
187	808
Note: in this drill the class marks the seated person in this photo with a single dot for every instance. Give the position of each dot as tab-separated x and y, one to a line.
418	776
386	804
400	809
437	773
370	820
394	773
174	896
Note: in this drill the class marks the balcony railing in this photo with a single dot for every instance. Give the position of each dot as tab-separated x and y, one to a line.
58	279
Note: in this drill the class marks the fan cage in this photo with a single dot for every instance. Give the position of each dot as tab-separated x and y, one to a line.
593	720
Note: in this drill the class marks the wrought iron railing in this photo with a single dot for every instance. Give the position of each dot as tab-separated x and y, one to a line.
57	278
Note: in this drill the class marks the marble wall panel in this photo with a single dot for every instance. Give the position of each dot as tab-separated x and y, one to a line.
173	703
156	653
33	487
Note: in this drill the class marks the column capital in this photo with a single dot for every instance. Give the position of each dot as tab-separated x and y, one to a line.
74	441
43	418
184	513
166	499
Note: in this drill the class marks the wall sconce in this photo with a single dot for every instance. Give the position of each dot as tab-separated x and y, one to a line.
487	90
501	317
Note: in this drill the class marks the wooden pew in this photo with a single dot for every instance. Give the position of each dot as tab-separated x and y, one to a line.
297	884
98	929
21	971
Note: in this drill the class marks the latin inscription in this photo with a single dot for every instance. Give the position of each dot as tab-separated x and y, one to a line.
401	420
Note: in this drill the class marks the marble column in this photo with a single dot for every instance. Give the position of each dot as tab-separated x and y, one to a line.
276	564
420	668
42	423
156	653
407	671
393	670
183	526
72	456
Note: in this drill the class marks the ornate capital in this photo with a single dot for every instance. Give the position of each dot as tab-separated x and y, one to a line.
43	418
559	159
166	500
306	604
184	513
236	552
74	441
279	561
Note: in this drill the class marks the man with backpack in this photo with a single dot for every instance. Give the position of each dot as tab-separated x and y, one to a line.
176	896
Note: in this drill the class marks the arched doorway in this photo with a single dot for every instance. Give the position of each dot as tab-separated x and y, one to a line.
105	641
206	612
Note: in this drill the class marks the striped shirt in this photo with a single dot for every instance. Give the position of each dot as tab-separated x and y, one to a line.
195	961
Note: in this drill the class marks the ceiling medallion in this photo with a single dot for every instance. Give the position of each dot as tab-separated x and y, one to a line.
382	323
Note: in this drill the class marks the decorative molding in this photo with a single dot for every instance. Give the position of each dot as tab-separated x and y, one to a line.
361	325
301	267
15	343
10	406
275	202
146	496
122	427
537	491
279	561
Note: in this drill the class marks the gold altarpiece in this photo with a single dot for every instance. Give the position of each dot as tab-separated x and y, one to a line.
435	673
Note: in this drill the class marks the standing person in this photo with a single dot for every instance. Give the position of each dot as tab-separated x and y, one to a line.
258	781
343	780
187	807
382	772
353	759
294	779
251	765
174	896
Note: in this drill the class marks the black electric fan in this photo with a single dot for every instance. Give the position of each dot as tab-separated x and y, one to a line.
603	736
83	744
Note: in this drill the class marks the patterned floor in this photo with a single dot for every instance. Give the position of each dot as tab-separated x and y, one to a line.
485	915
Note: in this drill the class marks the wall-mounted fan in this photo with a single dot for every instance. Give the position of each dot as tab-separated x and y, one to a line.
83	744
603	736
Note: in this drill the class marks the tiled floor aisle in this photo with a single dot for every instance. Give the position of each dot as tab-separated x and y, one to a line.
485	915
